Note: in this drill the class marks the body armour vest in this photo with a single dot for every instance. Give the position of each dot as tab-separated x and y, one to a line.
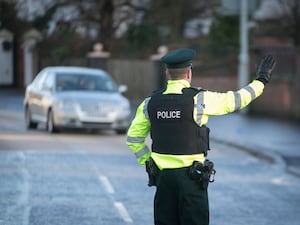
173	128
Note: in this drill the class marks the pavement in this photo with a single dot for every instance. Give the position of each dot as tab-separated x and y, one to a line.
272	139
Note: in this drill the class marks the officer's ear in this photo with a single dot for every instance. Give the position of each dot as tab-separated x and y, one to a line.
189	74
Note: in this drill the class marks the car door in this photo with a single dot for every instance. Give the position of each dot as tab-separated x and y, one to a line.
34	95
46	93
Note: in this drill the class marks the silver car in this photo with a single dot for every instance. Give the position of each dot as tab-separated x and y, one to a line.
76	97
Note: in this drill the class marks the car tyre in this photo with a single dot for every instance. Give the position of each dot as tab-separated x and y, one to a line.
50	126
121	131
28	120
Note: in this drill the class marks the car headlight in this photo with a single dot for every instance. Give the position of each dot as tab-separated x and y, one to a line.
124	107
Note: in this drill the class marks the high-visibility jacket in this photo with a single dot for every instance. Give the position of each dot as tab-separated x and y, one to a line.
206	104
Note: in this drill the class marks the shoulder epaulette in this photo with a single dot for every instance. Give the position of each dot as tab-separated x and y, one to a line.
198	89
194	90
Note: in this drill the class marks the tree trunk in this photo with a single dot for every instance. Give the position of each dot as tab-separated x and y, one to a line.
106	23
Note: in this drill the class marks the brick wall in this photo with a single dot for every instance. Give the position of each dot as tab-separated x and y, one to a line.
277	100
215	83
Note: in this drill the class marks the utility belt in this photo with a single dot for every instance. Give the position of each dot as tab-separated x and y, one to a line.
203	172
198	171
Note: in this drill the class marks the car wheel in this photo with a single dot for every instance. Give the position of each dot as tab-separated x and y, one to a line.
121	131
28	120
50	126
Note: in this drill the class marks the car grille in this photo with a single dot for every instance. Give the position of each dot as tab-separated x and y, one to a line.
96	110
96	125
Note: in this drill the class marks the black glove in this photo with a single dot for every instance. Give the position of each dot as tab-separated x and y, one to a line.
265	68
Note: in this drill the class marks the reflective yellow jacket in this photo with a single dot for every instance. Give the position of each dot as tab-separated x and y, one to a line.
206	103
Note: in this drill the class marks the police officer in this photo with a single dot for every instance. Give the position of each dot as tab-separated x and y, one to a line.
176	117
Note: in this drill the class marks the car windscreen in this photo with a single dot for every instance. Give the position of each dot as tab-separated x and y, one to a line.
84	82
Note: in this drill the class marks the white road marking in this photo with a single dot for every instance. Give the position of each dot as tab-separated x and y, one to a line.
24	197
109	189
107	185
123	212
281	181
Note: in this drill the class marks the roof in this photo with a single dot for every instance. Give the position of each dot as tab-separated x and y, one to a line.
76	69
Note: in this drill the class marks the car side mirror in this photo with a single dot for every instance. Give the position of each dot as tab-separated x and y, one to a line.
122	88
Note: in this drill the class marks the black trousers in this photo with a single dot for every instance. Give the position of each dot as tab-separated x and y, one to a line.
180	200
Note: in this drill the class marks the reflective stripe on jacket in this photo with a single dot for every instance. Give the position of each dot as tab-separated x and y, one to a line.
206	103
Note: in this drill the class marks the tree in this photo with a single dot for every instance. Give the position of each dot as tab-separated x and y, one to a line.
282	20
290	19
170	17
9	19
224	35
164	22
107	16
102	17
